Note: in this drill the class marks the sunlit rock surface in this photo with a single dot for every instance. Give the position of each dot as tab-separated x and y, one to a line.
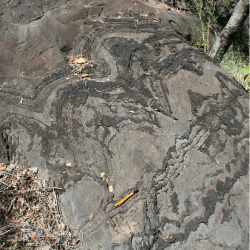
145	110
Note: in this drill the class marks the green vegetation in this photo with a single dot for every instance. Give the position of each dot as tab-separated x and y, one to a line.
15	246
246	73
237	65
205	11
234	61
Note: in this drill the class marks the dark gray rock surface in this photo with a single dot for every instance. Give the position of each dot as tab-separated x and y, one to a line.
151	112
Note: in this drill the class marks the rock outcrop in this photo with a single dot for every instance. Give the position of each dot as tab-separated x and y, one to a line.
106	97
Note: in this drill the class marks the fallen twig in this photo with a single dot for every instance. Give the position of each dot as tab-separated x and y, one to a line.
31	190
30	212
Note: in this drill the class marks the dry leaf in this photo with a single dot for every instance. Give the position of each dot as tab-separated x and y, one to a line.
15	221
2	168
51	207
111	189
21	200
84	75
80	60
61	227
33	170
27	215
47	247
38	214
92	217
32	235
31	216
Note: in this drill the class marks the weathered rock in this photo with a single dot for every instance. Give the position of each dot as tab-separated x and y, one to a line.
151	113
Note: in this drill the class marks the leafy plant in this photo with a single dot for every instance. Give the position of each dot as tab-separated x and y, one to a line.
205	10
228	3
235	62
237	65
245	36
246	73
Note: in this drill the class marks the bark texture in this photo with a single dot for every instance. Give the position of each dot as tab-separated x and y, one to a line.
223	42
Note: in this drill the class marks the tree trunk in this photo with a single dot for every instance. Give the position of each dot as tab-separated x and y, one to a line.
236	21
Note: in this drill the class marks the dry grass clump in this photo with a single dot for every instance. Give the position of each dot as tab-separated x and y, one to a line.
29	212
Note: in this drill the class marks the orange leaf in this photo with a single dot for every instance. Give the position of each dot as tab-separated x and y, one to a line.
2	168
15	221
